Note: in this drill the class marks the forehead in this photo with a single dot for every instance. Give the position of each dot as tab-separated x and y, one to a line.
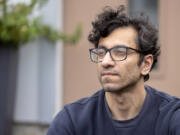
121	36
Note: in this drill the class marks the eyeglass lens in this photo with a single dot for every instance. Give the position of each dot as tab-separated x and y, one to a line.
117	54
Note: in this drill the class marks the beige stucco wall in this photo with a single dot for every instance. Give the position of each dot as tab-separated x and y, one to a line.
80	77
169	73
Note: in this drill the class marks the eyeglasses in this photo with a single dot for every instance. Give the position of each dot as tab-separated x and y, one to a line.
118	53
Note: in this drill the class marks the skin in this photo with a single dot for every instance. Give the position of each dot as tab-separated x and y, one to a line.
123	80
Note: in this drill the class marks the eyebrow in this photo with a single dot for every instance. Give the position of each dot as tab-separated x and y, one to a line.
120	45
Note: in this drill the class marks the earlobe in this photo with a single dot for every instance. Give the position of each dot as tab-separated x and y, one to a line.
146	64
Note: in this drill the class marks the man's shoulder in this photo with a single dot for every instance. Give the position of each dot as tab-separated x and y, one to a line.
82	111
86	104
162	97
89	99
169	112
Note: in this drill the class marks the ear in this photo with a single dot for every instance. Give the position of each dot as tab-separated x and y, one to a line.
146	64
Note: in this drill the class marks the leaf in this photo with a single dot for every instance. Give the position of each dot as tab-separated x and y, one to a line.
17	26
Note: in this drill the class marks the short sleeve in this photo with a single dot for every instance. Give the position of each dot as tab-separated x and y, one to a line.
175	123
61	125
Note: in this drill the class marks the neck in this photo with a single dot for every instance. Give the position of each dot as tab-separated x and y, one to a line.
126	104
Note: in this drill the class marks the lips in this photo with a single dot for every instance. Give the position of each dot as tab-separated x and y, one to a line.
109	74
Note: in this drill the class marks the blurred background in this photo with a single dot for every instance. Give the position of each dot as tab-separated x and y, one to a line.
50	75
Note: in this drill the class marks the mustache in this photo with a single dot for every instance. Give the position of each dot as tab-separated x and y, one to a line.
107	71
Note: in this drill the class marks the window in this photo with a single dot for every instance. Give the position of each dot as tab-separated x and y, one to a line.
149	7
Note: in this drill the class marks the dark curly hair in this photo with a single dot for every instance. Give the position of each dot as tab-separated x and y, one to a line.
111	19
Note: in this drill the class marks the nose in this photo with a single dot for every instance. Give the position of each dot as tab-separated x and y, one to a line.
107	61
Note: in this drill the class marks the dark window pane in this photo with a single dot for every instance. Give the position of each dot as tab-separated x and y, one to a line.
149	7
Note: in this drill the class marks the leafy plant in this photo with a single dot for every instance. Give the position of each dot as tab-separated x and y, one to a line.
18	26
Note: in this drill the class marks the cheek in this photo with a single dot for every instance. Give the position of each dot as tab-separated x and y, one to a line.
128	68
133	71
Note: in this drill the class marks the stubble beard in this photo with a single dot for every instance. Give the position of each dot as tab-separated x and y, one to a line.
122	85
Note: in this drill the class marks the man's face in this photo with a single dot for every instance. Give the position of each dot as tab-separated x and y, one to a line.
118	75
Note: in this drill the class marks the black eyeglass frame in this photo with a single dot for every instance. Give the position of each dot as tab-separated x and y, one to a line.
109	50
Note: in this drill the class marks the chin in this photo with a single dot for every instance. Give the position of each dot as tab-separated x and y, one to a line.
111	88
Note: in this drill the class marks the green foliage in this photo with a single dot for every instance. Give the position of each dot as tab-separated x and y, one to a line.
17	26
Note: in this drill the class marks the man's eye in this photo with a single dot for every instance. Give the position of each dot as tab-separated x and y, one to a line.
100	51
118	52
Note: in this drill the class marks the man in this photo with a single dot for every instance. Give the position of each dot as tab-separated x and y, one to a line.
126	50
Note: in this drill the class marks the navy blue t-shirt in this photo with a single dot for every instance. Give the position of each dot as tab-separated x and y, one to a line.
127	127
160	115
